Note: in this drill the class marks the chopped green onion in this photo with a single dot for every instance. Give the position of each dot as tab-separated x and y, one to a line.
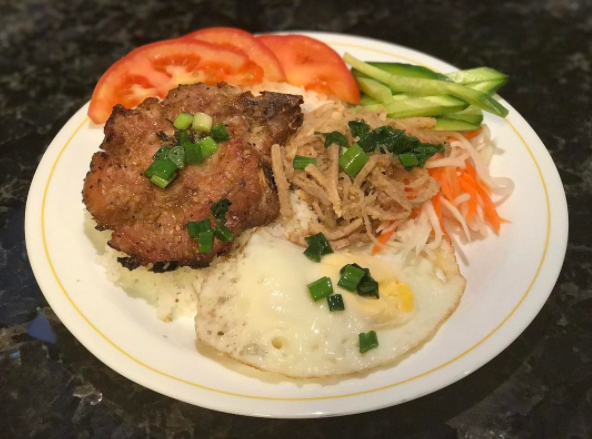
162	153
223	233
353	160
183	121
193	153
359	128
333	137
351	275
317	247
368	287
322	242
208	146
301	162
196	227
220	133
205	241
202	122
183	138
368	341
162	182
335	302
177	156
313	252
408	159
162	168
320	288
219	210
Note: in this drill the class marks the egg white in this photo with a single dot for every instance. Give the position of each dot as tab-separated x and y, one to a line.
255	308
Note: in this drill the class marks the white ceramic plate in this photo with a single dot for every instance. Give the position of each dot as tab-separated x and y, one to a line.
509	279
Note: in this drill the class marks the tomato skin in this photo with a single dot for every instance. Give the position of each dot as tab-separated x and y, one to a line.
247	43
156	68
312	64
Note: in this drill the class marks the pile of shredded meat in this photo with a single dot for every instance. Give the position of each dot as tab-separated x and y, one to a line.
347	210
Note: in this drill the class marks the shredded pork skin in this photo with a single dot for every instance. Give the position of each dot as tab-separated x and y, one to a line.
348	211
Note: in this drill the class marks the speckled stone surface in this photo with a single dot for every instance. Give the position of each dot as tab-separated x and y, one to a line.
51	55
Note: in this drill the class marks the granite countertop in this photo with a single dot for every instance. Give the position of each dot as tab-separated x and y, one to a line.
51	55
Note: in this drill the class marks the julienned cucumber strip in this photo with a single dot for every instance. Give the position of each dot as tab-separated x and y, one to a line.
445	124
401	69
470	118
424	106
375	89
471	114
379	92
488	87
471	109
480	74
428	87
418	106
366	100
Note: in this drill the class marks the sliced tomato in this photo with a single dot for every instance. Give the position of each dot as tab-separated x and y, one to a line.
311	64
154	69
244	41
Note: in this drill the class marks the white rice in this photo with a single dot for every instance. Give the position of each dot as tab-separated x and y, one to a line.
173	294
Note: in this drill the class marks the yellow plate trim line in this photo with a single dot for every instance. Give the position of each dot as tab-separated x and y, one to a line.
398	383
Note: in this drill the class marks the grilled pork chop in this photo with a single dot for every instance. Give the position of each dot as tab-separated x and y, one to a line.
149	223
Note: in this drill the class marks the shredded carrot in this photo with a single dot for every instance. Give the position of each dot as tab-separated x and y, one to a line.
489	211
453	182
468	135
385	236
383	240
473	173
435	173
483	186
472	134
439	175
468	188
438	208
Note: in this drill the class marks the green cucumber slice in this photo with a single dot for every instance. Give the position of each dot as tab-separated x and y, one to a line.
366	100
479	74
424	106
470	118
375	89
445	124
471	114
488	87
428	87
370	103
395	68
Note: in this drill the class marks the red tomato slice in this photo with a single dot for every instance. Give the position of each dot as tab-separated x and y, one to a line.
154	69
244	41
311	64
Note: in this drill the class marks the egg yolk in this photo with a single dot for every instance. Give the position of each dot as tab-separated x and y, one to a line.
400	292
395	305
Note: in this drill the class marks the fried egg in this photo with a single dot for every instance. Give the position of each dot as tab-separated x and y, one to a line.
255	307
